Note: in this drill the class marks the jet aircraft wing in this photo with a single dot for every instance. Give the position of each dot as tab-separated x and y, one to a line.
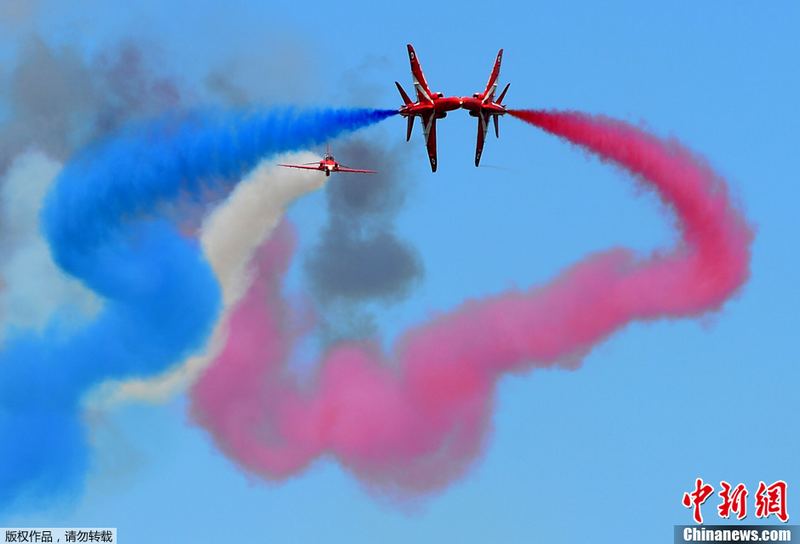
483	129
424	93
355	170
429	128
302	166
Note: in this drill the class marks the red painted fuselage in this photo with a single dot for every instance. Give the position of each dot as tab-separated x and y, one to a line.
477	106
439	106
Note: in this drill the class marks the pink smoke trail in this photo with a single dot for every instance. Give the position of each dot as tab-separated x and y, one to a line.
415	420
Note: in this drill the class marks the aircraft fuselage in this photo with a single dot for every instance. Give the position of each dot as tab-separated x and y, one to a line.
476	105
439	106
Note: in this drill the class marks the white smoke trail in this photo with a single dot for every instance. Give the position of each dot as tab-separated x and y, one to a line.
32	287
229	237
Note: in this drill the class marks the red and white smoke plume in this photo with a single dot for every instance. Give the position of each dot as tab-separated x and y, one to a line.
413	420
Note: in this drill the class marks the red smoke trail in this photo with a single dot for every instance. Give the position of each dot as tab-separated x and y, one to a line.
416	420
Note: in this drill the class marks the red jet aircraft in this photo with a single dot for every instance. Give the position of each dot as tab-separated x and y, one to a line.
429	106
483	106
328	165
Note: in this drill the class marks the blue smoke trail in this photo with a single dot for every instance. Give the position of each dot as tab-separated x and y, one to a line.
161	299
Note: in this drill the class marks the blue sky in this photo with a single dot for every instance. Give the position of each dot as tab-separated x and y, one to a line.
598	454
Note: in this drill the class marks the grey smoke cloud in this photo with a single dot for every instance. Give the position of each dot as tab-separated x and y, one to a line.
13	12
56	102
281	71
360	258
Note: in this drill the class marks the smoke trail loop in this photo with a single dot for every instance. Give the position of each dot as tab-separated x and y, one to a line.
414	421
103	221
